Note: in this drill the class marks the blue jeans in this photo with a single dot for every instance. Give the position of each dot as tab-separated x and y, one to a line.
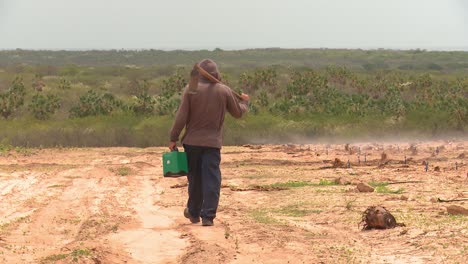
204	180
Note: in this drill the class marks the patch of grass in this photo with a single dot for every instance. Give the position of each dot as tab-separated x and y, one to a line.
7	148
428	221
295	184
325	182
291	184
260	176
385	189
123	171
54	258
75	255
56	186
263	217
23	151
80	253
461	218
377	184
295	211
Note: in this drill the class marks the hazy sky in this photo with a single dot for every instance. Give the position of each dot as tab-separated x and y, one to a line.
233	24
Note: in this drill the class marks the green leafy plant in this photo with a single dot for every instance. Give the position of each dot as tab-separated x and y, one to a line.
168	99
64	84
260	78
144	103
13	98
94	103
43	106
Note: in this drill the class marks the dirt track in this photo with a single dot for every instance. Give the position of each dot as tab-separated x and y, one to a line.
112	206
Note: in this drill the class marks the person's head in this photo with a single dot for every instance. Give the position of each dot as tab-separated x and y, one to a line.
211	67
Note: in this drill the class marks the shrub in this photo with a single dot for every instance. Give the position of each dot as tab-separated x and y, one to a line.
143	103
94	103
42	107
13	98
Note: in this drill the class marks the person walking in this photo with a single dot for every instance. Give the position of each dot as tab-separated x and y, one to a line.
201	113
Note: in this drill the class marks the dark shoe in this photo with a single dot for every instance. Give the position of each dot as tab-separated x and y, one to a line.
207	222
190	217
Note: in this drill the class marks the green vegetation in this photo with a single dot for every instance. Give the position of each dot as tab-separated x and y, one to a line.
378	184
75	255
43	106
381	187
296	211
5	148
291	184
13	98
385	189
263	217
123	171
269	215
325	182
129	98
54	258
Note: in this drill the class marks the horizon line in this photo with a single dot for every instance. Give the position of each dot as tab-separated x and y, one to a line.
442	49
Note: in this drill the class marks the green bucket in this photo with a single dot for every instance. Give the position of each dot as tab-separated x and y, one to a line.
175	164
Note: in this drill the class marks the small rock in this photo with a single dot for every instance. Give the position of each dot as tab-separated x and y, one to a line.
404	198
342	181
457	210
363	187
437	168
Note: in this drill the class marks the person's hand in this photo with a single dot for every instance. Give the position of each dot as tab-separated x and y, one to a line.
172	145
245	97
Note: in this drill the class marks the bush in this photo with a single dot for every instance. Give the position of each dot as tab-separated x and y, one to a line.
13	98
94	103
143	103
42	107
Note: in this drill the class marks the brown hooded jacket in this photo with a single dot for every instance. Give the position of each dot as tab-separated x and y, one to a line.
202	113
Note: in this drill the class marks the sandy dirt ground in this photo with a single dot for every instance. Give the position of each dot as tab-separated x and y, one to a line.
279	204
